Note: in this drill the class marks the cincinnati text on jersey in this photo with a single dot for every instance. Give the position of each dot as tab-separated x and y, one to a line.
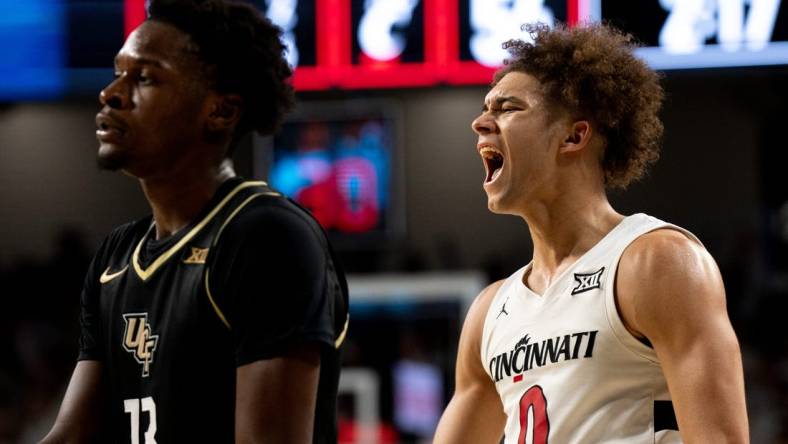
139	340
527	355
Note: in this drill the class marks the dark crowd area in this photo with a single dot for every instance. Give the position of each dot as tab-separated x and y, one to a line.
39	335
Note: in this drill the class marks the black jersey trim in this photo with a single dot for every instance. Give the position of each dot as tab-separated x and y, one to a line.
664	416
146	273
215	306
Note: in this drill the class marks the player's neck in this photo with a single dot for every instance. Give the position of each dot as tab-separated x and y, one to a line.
178	198
564	229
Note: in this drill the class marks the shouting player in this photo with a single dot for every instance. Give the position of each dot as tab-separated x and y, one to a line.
617	329
218	318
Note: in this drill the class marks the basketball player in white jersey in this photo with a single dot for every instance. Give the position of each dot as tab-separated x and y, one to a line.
617	330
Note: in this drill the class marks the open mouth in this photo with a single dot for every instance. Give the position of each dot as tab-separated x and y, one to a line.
493	162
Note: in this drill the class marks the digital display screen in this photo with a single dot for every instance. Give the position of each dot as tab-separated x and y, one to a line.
684	34
59	47
484	25
32	36
407	43
337	169
339	162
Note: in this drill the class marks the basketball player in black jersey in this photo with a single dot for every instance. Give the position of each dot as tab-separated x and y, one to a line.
217	319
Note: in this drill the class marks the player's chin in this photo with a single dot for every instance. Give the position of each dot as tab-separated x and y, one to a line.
501	203
111	157
494	204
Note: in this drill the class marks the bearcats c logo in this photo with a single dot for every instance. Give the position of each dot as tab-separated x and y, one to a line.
139	340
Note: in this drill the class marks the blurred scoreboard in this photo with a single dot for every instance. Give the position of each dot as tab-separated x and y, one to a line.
687	34
56	47
356	44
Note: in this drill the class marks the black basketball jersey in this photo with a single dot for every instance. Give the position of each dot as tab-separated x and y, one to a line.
172	319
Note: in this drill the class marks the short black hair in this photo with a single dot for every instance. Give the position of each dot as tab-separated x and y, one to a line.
242	53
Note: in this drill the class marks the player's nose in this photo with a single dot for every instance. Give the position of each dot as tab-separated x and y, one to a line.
114	95
484	124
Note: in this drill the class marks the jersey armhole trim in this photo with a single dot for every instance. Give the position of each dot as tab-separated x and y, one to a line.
215	306
341	338
211	299
238	209
615	321
484	343
623	336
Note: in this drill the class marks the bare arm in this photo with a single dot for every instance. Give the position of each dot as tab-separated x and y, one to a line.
475	413
671	292
78	417
275	398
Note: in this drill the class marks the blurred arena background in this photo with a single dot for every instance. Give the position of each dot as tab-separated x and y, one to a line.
380	149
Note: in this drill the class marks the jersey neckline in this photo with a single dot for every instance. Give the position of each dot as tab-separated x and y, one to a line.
189	233
558	280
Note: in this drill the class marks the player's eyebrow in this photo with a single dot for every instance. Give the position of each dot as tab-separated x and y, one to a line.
141	61
500	100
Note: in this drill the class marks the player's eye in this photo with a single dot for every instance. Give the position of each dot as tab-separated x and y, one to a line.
144	79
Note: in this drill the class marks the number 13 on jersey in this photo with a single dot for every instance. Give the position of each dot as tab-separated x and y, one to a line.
534	425
132	407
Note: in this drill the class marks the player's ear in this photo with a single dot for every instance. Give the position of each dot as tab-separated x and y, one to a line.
577	138
225	112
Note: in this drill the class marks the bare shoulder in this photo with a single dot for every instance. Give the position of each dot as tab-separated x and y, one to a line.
666	255
478	309
482	302
662	250
665	273
468	357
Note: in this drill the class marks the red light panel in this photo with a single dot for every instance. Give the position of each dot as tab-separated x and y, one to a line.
334	68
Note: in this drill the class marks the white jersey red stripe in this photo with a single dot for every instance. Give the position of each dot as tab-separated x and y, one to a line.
564	365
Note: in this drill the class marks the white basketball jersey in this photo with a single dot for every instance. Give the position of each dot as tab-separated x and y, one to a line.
564	365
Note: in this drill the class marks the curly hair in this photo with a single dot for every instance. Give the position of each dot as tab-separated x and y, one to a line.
591	71
241	52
